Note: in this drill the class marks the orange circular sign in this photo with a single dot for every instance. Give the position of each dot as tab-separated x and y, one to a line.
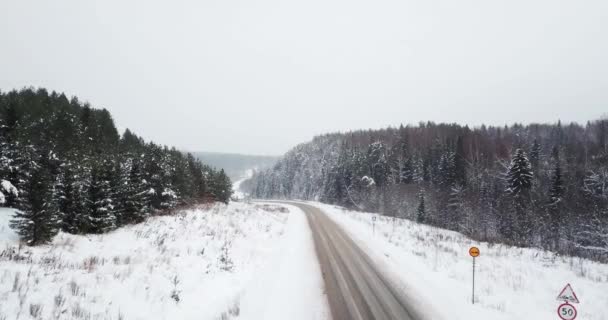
474	252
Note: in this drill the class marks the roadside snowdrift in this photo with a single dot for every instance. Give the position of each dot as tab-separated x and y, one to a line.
197	264
511	283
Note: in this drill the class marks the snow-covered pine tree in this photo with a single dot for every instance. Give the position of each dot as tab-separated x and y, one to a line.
224	188
133	193
179	175
554	204
447	170
535	155
418	173
421	210
13	156
71	196
199	184
519	182
455	203
407	171
82	187
37	217
593	236
157	176
169	194
4	168
519	175
460	164
377	161
100	203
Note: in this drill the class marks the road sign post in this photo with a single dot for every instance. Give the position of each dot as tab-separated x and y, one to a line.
473	252
374	225
567	311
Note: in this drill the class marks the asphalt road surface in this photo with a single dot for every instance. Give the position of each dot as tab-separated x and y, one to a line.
355	289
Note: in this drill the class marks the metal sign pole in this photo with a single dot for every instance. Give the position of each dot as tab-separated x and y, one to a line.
473	252
473	295
374	225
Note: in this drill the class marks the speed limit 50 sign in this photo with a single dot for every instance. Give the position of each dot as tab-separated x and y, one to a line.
566	311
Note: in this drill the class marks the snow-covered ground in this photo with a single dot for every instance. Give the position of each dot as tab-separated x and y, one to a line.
433	266
7	235
257	261
240	261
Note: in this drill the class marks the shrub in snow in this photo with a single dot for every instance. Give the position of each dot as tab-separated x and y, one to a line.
226	263
367	181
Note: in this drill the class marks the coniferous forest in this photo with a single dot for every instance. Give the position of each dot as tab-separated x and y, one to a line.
64	166
540	185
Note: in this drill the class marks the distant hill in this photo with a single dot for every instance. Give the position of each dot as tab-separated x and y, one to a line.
236	165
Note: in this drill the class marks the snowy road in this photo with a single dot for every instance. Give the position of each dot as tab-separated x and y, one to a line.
355	288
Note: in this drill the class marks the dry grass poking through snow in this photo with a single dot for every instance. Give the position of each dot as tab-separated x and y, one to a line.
192	265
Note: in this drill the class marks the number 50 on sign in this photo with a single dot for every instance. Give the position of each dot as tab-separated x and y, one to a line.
566	311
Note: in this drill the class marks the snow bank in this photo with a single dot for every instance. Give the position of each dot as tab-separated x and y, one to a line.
7	235
433	266
290	286
194	265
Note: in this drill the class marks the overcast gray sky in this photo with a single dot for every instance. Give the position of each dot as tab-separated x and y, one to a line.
259	76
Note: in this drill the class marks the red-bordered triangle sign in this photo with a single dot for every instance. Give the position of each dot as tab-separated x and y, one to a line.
568	295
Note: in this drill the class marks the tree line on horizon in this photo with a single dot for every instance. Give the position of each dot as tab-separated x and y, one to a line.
539	185
64	166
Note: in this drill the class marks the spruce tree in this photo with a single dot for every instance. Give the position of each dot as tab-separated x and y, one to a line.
447	171
169	198
169	195
155	175
8	192
37	217
455	203
419	171
133	202
519	175
460	164
71	197
519	182
4	157
61	190
88	131
407	171
198	180
378	164
100	204
555	219
224	187
535	154
82	187
13	155
421	210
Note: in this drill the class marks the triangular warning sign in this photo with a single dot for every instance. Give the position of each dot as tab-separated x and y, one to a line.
568	295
